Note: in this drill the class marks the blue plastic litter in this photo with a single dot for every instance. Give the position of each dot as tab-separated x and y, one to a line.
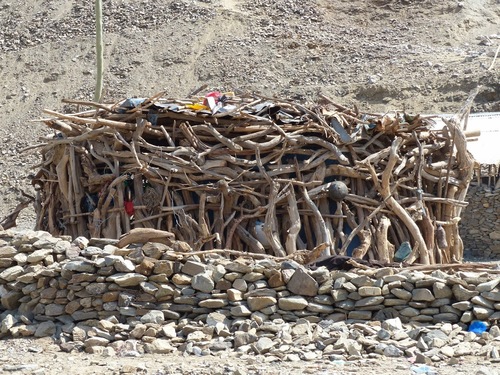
423	369
478	327
403	252
132	102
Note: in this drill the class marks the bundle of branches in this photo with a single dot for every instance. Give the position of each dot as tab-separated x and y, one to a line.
255	174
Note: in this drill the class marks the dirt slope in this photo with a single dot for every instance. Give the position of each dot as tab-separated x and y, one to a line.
420	56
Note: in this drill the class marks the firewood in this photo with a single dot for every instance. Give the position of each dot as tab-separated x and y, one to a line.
206	178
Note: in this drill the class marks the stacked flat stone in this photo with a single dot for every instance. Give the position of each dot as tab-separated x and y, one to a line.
93	296
479	227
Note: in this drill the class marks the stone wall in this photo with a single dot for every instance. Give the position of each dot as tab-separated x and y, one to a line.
95	296
480	225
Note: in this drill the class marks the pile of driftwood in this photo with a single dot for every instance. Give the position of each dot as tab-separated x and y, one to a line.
256	174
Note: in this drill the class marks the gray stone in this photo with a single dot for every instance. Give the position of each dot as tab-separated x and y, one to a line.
149	288
360	315
383	334
192	267
481	301
369	291
395	302
401	293
96	289
239	267
339	295
244	338
260	302
488	286
11	273
292	303
263	345
10	299
482	313
241	310
85	315
81	242
422	294
346	305
392	324
203	282
393	351
447	351
463	294
234	295
54	309
302	283
350	287
363	280
441	302
495	235
324	299
79	266
7	251
45	329
409	312
339	282
161	346
169	331
253	277
467	317
127	279
154	250
369	301
445	317
392	278
122	265
240	284
462	306
441	290
95	341
493	296
91	251
153	316
213	303
218	273
320	308
7	323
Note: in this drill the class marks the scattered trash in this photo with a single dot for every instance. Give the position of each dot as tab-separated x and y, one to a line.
403	252
478	327
423	369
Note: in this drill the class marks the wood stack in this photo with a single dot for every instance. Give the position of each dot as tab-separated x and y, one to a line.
255	174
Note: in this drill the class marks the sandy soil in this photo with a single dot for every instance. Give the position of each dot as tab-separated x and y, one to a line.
421	56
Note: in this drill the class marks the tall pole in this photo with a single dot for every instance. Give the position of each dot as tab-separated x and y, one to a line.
99	50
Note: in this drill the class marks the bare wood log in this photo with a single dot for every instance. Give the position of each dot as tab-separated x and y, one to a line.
62	174
427	229
9	221
254	245
143	235
385	249
295	224
102	122
325	236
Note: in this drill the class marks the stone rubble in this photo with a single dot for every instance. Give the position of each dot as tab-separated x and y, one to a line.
89	295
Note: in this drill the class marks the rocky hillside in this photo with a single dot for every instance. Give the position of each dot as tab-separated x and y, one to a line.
417	56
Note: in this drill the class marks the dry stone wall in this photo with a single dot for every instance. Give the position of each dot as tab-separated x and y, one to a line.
480	226
93	296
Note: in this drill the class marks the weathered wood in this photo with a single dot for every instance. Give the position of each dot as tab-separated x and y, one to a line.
143	235
206	178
